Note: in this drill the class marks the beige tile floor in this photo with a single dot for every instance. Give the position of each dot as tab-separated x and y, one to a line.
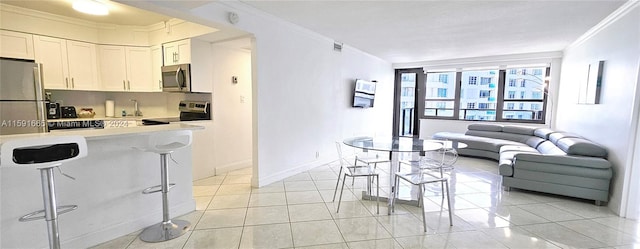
298	213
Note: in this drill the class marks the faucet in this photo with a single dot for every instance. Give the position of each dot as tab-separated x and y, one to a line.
136	110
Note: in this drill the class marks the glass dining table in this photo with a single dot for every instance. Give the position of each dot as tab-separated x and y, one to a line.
396	146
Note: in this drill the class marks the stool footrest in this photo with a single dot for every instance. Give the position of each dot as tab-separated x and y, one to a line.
157	188
41	215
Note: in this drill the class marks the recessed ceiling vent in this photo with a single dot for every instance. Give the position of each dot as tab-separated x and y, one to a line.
337	46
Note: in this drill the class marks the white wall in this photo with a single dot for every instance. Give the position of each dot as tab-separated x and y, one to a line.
301	89
231	109
611	123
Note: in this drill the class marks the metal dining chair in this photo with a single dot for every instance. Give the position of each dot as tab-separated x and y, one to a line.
354	171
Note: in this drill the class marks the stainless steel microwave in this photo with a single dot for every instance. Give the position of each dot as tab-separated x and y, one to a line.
176	78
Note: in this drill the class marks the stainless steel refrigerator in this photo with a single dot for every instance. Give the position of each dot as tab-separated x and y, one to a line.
22	102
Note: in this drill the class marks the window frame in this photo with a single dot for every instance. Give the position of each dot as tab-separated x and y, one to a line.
501	100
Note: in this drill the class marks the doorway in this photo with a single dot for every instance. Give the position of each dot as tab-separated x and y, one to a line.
406	119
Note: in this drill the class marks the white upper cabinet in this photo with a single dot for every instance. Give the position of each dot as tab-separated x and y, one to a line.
138	60
52	54
113	71
83	67
178	52
16	45
66	64
125	68
156	68
196	52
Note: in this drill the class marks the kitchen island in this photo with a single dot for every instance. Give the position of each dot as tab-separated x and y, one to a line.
107	189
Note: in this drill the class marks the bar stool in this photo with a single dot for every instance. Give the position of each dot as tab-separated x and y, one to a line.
164	144
45	154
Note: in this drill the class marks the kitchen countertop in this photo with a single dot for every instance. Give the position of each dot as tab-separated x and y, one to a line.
95	134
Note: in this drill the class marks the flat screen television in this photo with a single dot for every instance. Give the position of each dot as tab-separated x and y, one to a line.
364	93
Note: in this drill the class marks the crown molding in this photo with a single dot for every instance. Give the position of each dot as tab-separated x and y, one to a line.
74	21
610	19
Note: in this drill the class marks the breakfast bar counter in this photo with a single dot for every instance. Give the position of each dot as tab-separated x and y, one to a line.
107	189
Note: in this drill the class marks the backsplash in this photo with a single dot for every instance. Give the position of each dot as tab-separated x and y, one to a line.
157	104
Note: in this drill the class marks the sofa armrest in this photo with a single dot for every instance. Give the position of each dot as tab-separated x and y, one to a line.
576	161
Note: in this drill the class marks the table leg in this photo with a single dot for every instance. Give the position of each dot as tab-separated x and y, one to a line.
394	167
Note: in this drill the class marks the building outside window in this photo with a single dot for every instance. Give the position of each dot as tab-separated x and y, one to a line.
521	106
537	71
473	80
444	78
511	95
510	106
471	105
512	82
513	71
485	93
442	92
522	93
523	83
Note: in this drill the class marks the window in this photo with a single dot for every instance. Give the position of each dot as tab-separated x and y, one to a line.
408	91
531	102
537	71
442	92
439	96
491	95
510	106
485	93
443	78
536	95
473	80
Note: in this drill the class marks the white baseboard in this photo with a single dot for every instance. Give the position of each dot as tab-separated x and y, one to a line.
263	181
233	166
122	229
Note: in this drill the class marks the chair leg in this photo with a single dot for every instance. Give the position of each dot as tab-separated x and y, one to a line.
337	182
394	195
421	199
446	184
369	179
341	190
377	194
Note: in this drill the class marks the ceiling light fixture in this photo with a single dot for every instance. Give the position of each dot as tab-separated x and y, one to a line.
91	7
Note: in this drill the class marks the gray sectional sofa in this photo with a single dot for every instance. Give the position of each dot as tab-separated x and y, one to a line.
540	159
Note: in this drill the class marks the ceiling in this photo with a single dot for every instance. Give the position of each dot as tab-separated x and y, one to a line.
412	31
119	14
403	31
